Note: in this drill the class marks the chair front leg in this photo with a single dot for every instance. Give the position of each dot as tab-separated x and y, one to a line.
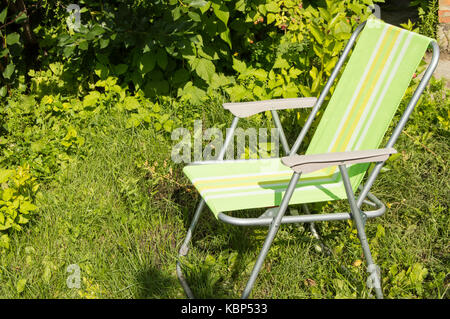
185	246
374	280
271	235
184	249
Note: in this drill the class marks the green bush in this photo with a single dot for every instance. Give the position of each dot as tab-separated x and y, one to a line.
168	47
17	197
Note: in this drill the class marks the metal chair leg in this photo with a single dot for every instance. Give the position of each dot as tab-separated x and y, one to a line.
374	279
184	249
271	235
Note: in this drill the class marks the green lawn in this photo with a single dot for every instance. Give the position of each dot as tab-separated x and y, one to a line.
89	99
121	213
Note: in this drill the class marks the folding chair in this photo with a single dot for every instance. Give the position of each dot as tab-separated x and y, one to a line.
344	144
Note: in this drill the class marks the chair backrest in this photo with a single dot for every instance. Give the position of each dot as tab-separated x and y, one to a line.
369	91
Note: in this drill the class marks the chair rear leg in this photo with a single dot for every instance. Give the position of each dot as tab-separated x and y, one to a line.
273	229
184	249
374	279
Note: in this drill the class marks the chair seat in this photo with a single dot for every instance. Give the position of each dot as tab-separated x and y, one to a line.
238	185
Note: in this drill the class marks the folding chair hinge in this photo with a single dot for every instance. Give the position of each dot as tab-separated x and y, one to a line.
270	212
363	217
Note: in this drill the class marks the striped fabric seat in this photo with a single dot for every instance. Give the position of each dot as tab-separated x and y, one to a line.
357	117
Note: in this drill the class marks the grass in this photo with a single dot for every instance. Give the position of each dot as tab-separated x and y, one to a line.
121	218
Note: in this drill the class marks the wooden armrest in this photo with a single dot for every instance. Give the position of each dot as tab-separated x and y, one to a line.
314	162
245	109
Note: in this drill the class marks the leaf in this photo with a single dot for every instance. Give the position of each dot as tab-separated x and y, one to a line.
180	76
5	174
3	91
219	80
260	74
56	68
12	38
194	16
91	99
84	45
281	63
132	122
27	206
205	69
20	287
7	194
197	3
148	62
120	69
104	43
68	50
331	64
324	13
313	72
272	7
239	66
20	17
225	36
101	71
240	5
161	58
194	93
9	70
168	126
318	35
37	146
221	11
342	27
3	15
22	220
131	103
176	13
96	30
4	241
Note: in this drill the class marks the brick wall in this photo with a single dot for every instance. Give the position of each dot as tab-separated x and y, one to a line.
443	28
444	11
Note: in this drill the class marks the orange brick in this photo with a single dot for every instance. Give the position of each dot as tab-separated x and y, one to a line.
444	19
444	11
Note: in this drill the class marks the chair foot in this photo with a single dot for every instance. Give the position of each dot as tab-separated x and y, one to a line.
374	279
374	270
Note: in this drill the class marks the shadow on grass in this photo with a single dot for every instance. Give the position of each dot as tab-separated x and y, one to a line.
209	271
156	284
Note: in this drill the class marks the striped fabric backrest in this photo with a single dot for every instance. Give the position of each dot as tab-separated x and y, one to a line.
369	91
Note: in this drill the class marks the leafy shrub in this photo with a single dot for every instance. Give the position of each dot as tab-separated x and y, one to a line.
298	60
169	47
17	196
428	19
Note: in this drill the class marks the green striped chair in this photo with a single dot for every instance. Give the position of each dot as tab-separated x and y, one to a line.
344	144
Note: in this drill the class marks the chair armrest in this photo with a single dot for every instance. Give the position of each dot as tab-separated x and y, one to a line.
314	162
245	109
